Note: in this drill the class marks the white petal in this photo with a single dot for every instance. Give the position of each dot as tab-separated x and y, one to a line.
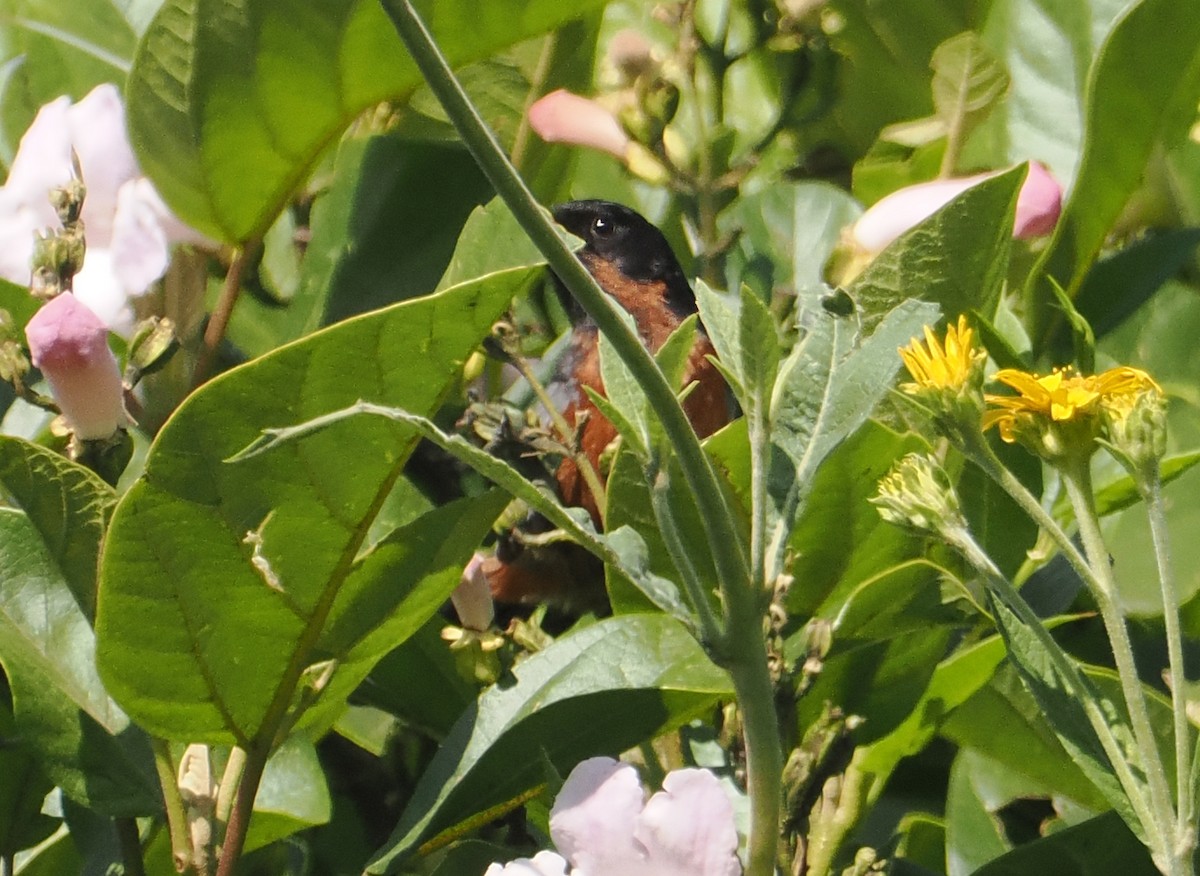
687	828
98	286
472	598
593	819
891	216
43	159
139	243
542	864
97	125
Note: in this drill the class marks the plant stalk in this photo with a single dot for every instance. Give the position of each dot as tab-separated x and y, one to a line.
1185	809
1078	480
164	765
243	806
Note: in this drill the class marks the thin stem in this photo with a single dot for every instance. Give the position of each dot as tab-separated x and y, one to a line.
164	765
963	542
1152	493
218	322
1078	481
131	846
760	456
243	806
6	864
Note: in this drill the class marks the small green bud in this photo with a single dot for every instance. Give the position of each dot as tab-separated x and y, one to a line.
917	494
151	347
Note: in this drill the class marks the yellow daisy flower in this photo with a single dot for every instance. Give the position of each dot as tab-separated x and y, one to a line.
934	365
1063	396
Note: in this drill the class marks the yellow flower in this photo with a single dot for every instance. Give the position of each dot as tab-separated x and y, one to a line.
1062	396
937	366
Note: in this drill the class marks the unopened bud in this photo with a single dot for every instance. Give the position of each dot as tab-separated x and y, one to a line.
917	494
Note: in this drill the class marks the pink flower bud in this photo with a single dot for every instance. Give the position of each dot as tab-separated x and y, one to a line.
472	598
69	343
1038	207
563	117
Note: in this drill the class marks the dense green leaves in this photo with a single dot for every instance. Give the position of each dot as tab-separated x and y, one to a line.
205	556
231	103
596	691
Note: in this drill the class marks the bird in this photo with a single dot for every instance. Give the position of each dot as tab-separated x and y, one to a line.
632	261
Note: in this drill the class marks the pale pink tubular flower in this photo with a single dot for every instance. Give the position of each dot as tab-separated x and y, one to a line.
1038	207
127	227
69	343
602	824
563	117
472	598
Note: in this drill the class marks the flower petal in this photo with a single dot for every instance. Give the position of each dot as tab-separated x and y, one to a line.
69	343
594	816
1039	204
687	828
97	125
472	598
563	117
541	864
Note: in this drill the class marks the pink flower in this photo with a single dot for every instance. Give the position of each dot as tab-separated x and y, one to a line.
472	598
128	229
563	117
1038	207
69	343
602	824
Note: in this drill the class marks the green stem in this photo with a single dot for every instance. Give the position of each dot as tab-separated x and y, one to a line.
697	469
744	619
164	765
760	728
1078	480
1152	493
1071	674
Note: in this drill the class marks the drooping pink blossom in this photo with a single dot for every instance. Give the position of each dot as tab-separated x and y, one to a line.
602	824
127	227
69	343
1038	207
563	117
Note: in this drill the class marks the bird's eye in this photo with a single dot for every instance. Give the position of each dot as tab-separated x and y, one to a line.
603	228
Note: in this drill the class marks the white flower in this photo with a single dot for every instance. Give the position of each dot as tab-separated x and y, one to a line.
603	826
69	343
127	227
541	864
472	598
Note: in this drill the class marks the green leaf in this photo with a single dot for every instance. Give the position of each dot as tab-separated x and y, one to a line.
1062	704
973	835
1046	46
1099	846
187	604
967	83
231	101
292	796
1145	81
622	548
826	389
1027	746
788	231
48	556
596	691
373	243
62	48
22	823
957	258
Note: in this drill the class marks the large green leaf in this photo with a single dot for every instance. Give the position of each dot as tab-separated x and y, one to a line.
62	48
596	691
203	633
1145	81
230	101
1047	47
48	555
956	258
22	823
1099	846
